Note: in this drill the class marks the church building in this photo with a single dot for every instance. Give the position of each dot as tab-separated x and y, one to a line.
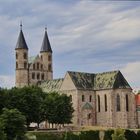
99	99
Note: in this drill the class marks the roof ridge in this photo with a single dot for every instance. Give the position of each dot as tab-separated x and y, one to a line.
80	72
108	72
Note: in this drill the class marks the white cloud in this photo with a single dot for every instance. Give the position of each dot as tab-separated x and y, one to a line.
132	73
92	32
7	81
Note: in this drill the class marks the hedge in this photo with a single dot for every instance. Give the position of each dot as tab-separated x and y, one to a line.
108	134
83	135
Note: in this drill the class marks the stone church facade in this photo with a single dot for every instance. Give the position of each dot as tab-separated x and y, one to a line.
102	99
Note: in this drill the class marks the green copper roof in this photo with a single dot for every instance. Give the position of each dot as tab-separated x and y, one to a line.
99	81
51	85
82	80
87	106
90	81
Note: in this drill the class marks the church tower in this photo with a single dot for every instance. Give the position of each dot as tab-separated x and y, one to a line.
21	53
46	55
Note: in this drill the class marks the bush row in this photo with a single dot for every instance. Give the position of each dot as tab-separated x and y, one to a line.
83	135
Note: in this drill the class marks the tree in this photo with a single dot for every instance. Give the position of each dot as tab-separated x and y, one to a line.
2	134
13	123
118	135
3	99
28	100
58	108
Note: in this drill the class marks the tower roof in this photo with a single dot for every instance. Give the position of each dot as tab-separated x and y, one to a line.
46	47
21	43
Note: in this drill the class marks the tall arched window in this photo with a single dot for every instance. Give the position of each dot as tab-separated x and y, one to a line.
105	99
118	103
127	106
98	103
90	98
83	98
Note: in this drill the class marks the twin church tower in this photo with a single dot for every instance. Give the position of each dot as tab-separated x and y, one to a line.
33	70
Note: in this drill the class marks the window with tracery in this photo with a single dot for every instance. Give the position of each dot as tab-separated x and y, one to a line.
83	98
118	105
90	98
105	98
127	105
98	103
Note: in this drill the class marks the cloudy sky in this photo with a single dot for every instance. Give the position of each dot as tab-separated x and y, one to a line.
85	35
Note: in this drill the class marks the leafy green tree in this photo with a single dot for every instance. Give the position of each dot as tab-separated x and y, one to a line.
58	108
118	135
13	122
28	100
2	134
3	99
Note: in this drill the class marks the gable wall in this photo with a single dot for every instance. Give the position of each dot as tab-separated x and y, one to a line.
67	83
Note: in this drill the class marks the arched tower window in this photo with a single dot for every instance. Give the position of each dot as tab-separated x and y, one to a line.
38	76
83	98
16	65
33	75
49	57
98	103
41	67
49	67
118	103
90	98
16	56
37	65
34	66
42	76
127	106
25	55
105	100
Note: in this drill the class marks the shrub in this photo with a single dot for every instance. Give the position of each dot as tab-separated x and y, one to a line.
118	135
44	136
138	135
130	135
108	134
70	136
89	135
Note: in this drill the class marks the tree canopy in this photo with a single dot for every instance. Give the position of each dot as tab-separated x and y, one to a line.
36	105
13	123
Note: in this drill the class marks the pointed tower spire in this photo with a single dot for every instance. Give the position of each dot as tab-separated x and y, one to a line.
21	43
46	47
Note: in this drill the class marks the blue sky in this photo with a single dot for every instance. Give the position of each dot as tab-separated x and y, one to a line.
85	35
